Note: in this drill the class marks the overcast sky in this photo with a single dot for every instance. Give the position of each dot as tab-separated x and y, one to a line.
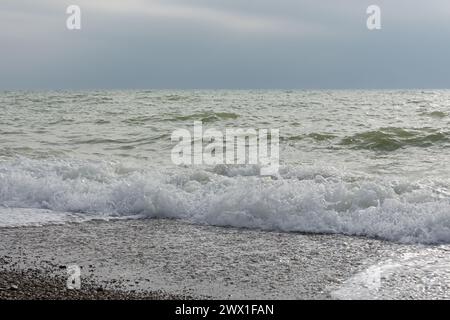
224	44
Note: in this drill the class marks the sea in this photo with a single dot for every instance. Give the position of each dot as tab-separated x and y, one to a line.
372	164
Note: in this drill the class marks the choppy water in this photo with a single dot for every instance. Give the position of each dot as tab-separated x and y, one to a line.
371	163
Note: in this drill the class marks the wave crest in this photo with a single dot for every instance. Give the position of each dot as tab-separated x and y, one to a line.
302	199
391	139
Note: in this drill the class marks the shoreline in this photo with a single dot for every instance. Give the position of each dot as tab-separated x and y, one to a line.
170	259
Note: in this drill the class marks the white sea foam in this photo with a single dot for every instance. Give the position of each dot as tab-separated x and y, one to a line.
302	199
383	279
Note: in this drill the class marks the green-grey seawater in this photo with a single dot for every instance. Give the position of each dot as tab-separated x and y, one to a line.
370	163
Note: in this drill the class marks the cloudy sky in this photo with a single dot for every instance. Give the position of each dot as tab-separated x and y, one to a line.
224	44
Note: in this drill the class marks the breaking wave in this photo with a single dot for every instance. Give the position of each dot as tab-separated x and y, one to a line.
300	199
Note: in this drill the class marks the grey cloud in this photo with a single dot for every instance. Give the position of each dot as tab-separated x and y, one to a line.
224	44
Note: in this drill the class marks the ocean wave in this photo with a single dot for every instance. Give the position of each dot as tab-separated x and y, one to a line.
391	139
301	199
205	117
435	114
316	136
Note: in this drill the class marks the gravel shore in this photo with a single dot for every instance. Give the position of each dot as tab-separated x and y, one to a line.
165	259
35	284
169	259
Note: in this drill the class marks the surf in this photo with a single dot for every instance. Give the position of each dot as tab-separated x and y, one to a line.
302	199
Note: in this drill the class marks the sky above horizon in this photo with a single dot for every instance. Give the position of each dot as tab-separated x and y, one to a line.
231	44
